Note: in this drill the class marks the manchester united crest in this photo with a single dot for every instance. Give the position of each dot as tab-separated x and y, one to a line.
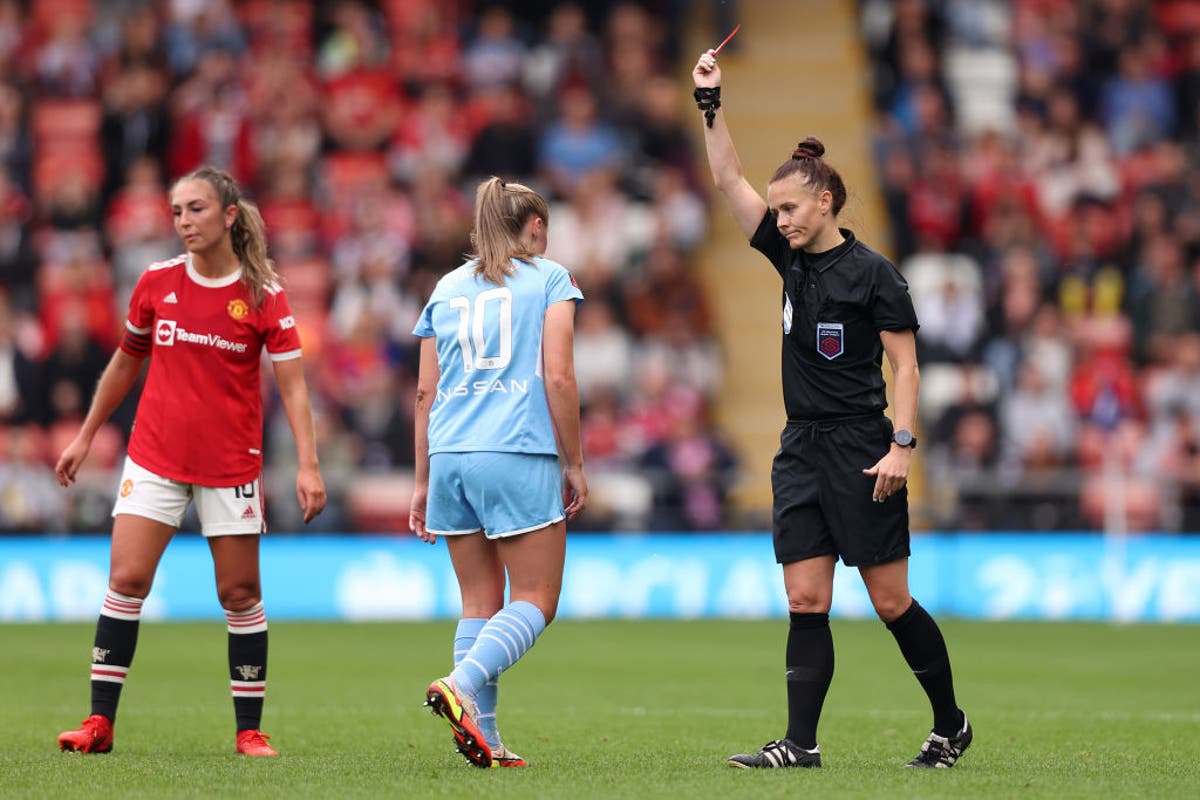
126	487
237	308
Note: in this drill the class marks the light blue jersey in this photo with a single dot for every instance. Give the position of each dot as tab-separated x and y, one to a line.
491	394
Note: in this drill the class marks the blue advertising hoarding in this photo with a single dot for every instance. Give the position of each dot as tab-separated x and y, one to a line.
685	576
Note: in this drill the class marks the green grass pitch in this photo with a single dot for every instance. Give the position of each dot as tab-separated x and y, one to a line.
614	710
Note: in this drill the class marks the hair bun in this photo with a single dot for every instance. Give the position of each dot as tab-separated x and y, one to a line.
809	148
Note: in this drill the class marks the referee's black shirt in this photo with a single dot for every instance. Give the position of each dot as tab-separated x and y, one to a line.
835	303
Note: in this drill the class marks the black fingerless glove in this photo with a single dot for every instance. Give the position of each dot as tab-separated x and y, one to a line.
708	100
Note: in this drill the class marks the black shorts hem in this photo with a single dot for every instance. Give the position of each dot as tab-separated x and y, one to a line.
789	558
877	560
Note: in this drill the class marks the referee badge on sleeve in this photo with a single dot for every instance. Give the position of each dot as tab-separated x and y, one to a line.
831	339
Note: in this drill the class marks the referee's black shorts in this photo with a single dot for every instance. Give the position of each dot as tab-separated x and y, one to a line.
823	500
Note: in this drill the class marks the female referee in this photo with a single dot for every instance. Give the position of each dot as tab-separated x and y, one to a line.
839	477
499	462
205	317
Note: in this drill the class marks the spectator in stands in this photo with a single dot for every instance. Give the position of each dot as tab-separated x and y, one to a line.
949	302
18	261
660	132
569	52
20	373
292	218
210	119
195	29
285	106
67	64
71	370
691	472
1137	106
495	57
138	224
432	50
434	134
16	147
442	215
356	41
12	20
604	351
132	38
1163	302
665	291
28	500
679	211
633	40
578	143
1069	157
1172	451
507	143
1188	89
1037	423
690	359
593	207
304	101
361	111
135	124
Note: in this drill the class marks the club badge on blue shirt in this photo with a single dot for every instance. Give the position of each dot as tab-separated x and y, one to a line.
831	339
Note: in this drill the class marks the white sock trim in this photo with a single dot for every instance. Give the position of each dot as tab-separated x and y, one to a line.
252	620
120	606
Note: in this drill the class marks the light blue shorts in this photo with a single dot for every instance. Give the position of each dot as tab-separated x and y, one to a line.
502	494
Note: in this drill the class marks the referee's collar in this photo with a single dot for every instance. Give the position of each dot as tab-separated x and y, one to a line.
831	257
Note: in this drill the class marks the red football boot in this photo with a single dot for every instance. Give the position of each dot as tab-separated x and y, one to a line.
253	742
94	735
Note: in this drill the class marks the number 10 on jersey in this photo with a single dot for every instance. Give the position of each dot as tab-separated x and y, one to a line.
470	328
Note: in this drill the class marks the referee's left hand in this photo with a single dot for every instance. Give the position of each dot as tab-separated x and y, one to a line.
891	473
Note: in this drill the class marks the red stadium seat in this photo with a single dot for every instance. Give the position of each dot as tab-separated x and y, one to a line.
380	503
52	166
349	173
307	283
1178	17
65	120
44	13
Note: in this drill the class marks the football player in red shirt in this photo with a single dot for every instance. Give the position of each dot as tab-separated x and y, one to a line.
205	317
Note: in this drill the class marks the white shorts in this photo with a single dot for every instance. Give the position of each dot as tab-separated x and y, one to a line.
223	511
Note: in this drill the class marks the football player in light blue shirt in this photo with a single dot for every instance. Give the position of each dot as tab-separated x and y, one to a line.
499	461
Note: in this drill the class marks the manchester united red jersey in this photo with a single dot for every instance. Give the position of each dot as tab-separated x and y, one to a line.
200	416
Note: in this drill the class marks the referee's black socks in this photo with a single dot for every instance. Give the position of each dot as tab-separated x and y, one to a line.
809	673
924	649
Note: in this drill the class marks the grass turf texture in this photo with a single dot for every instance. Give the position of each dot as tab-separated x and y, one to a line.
614	710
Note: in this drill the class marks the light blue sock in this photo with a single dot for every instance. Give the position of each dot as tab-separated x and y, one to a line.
500	643
468	630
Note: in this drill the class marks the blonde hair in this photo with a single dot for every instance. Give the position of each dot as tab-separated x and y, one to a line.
248	235
501	211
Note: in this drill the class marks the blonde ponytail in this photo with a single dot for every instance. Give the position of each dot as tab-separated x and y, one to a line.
249	236
501	211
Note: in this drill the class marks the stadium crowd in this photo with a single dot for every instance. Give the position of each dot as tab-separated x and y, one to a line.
1040	161
360	129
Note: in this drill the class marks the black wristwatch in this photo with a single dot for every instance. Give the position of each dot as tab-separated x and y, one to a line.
904	438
